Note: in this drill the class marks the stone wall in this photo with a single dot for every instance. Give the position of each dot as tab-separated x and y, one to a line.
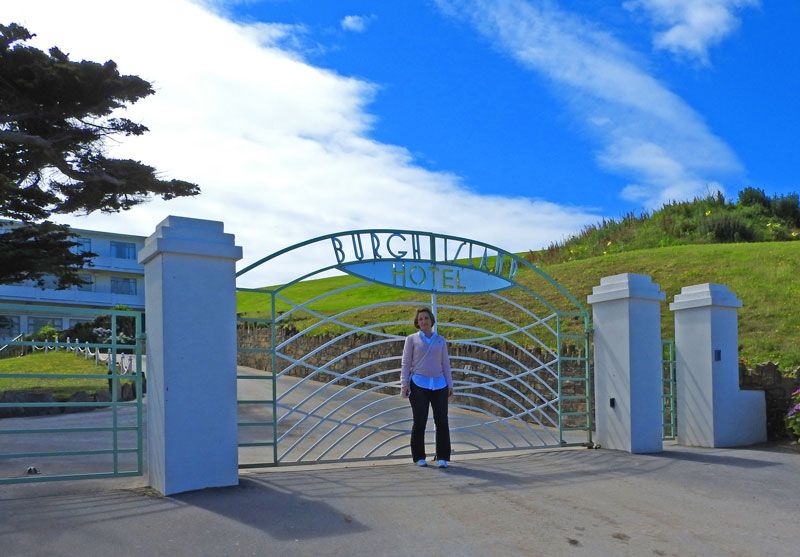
778	387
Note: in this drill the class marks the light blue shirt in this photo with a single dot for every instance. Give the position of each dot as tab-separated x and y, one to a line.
432	383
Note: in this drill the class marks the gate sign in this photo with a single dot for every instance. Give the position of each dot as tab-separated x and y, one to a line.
424	261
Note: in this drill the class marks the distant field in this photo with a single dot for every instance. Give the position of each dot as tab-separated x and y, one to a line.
765	276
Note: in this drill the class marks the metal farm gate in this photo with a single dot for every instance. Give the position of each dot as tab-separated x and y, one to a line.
319	361
71	408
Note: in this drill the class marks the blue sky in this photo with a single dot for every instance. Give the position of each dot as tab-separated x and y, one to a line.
462	103
514	122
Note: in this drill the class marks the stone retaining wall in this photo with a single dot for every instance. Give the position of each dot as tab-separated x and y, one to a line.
778	387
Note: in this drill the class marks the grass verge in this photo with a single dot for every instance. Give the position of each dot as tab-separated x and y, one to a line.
55	364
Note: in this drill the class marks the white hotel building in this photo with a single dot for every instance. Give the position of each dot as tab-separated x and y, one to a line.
115	278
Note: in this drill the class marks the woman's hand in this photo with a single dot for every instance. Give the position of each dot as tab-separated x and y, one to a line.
449	392
405	391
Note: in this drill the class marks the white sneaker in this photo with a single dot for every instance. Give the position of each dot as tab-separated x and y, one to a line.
422	462
442	464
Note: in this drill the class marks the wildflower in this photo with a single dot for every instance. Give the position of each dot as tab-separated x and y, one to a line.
794	234
708	213
608	243
793	415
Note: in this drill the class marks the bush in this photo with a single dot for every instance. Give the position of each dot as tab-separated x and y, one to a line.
99	330
727	227
46	333
787	207
753	197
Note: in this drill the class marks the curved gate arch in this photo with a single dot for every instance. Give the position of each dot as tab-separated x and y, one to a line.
319	362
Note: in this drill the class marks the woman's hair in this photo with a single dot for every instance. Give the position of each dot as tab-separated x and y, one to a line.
424	310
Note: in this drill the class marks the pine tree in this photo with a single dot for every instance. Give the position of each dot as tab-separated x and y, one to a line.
55	117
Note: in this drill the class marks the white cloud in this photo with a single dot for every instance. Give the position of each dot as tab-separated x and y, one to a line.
690	27
647	133
281	149
356	23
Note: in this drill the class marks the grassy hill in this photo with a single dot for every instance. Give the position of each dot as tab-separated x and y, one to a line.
765	276
754	217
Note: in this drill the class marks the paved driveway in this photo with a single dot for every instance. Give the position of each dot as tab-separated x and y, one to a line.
560	502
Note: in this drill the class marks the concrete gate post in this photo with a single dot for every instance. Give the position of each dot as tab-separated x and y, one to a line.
190	304
626	315
712	411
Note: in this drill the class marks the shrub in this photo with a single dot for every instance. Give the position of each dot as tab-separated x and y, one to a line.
727	227
46	333
753	197
99	330
787	207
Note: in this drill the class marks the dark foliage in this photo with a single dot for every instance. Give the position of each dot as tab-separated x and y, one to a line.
99	330
754	197
724	227
32	251
786	207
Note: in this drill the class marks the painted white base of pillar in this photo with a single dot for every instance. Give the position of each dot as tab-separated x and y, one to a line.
712	411
626	313
190	303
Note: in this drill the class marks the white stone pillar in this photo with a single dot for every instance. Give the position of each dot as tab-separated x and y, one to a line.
711	409
626	316
190	304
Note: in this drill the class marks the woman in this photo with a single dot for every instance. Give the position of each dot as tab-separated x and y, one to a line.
425	378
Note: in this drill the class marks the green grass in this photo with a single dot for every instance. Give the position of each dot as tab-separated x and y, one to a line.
257	305
763	275
51	363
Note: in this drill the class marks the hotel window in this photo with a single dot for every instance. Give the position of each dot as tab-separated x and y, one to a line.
123	250
121	285
9	326
88	285
36	323
49	282
84	245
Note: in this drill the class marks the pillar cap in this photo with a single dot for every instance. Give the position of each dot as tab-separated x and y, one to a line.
626	286
705	295
187	236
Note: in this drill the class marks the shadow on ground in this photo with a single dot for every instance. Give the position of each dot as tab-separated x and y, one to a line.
282	514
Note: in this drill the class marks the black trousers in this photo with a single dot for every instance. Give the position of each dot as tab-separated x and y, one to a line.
421	399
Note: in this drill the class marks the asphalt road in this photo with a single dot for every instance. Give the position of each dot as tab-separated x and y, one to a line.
681	502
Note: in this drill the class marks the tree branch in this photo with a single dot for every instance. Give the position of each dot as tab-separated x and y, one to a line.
55	160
